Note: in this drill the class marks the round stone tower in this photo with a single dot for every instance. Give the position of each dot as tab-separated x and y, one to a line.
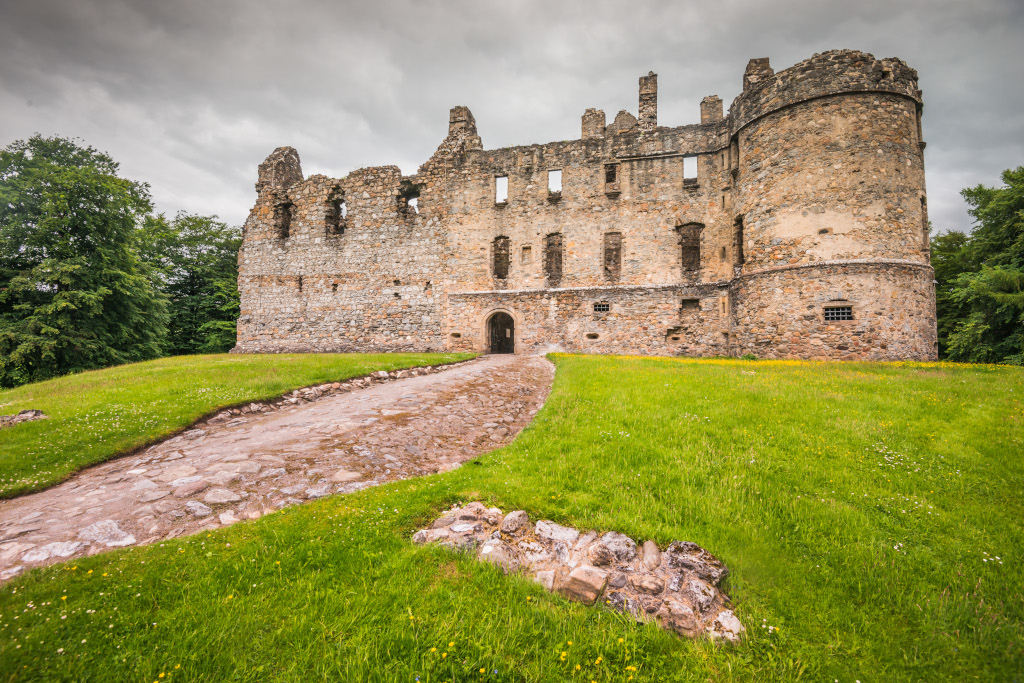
830	217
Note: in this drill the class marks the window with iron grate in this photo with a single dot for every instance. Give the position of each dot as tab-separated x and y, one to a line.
837	313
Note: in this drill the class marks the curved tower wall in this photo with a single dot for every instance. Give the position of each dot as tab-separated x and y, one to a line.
830	213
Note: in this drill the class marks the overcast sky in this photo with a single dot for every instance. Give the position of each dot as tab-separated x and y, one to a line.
190	95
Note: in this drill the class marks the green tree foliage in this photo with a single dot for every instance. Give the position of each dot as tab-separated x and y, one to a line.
196	260
980	295
74	294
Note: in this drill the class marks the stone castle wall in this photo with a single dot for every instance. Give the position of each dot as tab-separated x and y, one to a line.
725	237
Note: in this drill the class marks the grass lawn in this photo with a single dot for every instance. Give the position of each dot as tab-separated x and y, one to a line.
870	512
94	416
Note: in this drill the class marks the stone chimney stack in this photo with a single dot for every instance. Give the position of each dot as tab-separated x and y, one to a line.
593	124
648	102
711	109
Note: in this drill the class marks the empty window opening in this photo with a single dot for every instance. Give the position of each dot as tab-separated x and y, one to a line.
408	198
553	258
690	168
722	255
836	313
555	182
611	177
737	240
300	283
592	335
612	255
602	307
283	219
334	217
689	245
501	189
689	307
500	264
527	255
456	335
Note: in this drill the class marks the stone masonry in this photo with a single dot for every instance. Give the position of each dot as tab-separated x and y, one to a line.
794	226
679	588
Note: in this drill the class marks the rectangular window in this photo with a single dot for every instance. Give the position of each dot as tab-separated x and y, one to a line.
690	168
501	257
553	258
689	307
836	313
611	178
602	307
501	189
689	245
737	243
527	255
555	182
283	219
612	255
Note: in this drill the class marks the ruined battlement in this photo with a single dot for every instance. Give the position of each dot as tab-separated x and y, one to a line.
793	225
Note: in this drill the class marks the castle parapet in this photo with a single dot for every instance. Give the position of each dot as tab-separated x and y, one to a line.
828	73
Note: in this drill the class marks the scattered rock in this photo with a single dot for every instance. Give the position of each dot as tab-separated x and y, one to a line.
555	532
198	509
23	416
192	488
651	555
514	522
220	496
341	476
108	533
677	588
58	549
150	496
584	584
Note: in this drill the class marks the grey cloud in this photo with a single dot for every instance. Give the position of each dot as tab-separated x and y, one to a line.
191	95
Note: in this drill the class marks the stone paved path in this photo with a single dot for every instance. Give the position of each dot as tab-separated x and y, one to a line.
241	467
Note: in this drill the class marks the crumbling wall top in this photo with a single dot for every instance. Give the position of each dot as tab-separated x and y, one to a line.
280	170
827	73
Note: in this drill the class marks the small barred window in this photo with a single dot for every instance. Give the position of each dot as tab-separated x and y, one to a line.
834	313
602	307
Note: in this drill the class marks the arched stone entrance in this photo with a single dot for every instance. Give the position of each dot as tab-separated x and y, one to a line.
501	333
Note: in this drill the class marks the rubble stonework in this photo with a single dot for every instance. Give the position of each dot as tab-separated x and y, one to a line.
794	226
679	587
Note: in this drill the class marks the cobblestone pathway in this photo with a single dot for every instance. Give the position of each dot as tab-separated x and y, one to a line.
241	467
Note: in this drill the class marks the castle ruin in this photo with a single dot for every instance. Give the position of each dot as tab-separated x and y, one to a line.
795	226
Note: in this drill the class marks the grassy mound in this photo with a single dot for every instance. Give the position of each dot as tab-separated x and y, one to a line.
870	515
94	416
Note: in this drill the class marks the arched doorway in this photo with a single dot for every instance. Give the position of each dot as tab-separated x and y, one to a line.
501	333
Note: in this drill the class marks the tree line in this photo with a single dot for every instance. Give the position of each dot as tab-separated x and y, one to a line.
980	277
91	277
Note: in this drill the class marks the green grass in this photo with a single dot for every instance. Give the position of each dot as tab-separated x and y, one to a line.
94	416
854	503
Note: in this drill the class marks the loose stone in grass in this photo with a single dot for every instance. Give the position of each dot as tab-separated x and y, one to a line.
679	588
23	416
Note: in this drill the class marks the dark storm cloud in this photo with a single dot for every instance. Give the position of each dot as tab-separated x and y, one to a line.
191	96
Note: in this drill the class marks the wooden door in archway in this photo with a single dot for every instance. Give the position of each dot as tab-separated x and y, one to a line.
501	333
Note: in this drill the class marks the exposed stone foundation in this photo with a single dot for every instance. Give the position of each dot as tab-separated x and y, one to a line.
679	588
